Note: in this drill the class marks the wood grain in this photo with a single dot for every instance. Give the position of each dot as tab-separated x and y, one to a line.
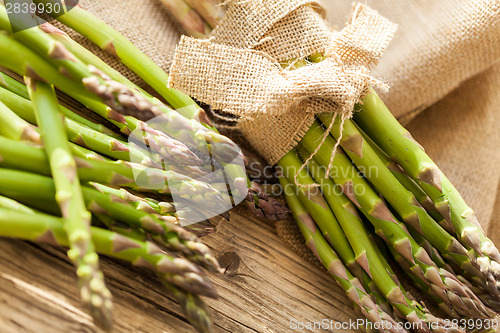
265	285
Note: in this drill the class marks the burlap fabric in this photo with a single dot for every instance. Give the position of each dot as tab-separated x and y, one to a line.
237	69
442	55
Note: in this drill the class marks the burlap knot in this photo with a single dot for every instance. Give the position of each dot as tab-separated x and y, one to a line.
237	69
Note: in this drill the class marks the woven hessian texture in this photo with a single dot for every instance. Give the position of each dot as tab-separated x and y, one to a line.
232	72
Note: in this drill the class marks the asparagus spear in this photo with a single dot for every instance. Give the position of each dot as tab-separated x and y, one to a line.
431	250
87	56
313	201
320	247
190	20
19	89
90	59
485	297
197	251
191	302
378	122
13	85
87	154
45	228
107	222
22	60
194	309
406	266
408	183
348	219
56	54
188	108
17	184
116	173
211	11
15	127
78	133
345	211
366	257
402	200
391	230
170	148
165	210
68	194
149	206
261	205
195	194
121	98
10	204
115	95
100	142
332	231
116	44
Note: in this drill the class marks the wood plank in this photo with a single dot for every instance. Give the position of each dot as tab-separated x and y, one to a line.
265	285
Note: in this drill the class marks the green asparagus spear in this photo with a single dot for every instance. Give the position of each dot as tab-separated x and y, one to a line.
188	108
68	194
87	56
44	45
45	228
19	89
116	44
332	231
149	206
408	183
322	250
406	266
348	218
402	200
194	309
14	205
190	20
195	194
211	11
17	184
121	98
290	165
356	188
262	205
130	248
100	142
378	122
23	61
78	133
122	173
107	222
16	128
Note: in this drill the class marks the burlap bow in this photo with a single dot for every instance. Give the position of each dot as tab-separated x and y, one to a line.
238	70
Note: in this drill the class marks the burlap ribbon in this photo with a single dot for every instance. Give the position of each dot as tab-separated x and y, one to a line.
237	69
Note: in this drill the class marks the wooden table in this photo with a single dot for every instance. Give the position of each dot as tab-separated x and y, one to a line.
265	285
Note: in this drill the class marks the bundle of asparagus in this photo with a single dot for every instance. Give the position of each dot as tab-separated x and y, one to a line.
139	191
382	182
